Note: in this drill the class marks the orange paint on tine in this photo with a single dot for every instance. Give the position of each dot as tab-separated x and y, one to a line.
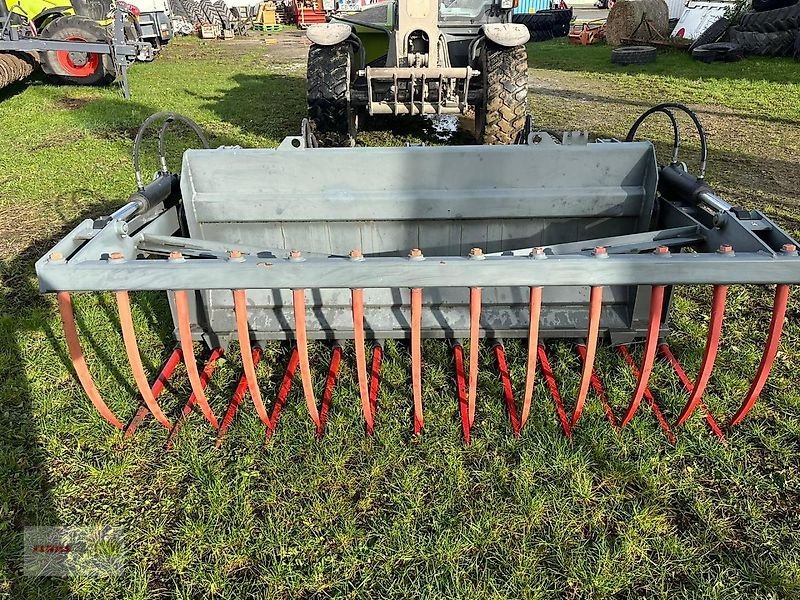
78	360
357	296
299	306
416	357
595	307
185	335
474	331
243	331
135	359
533	344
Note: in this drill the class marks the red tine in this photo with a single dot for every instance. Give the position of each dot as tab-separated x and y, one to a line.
243	332
375	377
508	392
598	388
283	391
205	377
595	307
158	386
710	355
770	350
185	335
236	399
656	307
623	350
474	342
330	383
135	359
533	343
416	357
299	303
357	297
79	362
550	378
666	352
458	359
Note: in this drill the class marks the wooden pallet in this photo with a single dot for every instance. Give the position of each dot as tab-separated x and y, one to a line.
272	28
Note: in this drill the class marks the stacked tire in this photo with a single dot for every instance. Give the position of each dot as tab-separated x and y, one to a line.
546	24
772	28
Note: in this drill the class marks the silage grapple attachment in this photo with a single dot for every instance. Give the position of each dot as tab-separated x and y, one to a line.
535	241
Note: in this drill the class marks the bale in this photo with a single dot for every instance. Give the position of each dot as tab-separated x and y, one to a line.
626	15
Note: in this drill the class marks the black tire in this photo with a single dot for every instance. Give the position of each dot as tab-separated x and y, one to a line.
561	19
542	35
771	21
77	68
780	43
763	5
633	55
224	13
210	13
329	82
500	116
712	34
179	10
540	21
718	52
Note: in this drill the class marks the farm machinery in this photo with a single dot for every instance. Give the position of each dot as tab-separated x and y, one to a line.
547	239
426	58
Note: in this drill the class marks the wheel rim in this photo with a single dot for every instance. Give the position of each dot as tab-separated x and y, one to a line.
78	64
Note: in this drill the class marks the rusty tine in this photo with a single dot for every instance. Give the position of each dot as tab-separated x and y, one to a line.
135	359
416	357
357	301
651	342
768	357
461	390
158	386
595	307
710	354
535	310
185	335
243	332
508	391
550	379
79	361
299	306
283	390
651	400
597	385
375	377
330	383
236	399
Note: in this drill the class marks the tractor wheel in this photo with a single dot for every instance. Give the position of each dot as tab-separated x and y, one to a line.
79	68
330	109
500	115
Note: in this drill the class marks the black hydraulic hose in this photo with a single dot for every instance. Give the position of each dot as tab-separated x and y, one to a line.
676	133
162	136
663	108
148	122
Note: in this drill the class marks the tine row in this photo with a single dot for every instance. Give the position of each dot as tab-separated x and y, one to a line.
466	381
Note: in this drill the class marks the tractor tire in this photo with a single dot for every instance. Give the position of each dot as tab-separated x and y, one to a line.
712	34
633	55
764	5
771	21
329	79
718	52
77	68
562	19
780	43
500	116
209	13
224	14
542	35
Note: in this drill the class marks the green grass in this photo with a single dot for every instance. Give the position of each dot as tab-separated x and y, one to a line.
606	514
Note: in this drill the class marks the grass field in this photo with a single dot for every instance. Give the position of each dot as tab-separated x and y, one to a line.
609	513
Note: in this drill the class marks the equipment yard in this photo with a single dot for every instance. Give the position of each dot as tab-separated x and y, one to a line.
650	510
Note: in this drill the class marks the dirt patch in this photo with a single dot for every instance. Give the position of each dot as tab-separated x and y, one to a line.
72	103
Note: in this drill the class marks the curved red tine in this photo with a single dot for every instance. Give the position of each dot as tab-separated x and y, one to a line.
205	377
508	392
651	342
416	357
79	362
375	377
243	332
461	391
550	378
299	305
533	343
357	300
666	352
595	307
135	359
283	391
598	388
710	354
185	335
770	350
236	399
158	386
330	383
651	401
474	346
